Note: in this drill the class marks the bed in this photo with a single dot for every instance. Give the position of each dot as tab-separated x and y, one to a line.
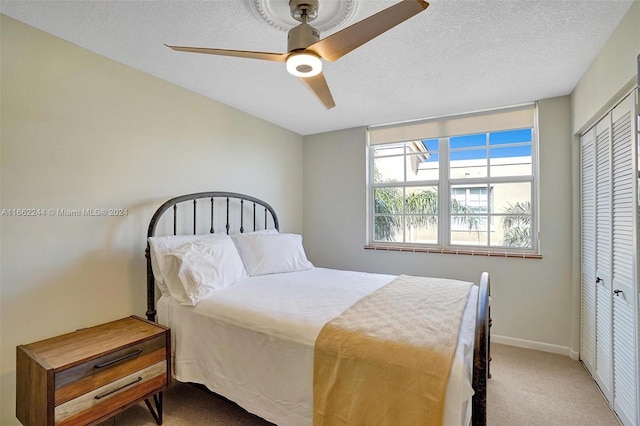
261	335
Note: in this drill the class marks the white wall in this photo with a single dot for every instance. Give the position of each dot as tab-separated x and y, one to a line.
80	131
612	72
531	298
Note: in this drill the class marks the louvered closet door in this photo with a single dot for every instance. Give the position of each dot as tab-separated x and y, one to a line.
610	289
588	277
603	372
625	320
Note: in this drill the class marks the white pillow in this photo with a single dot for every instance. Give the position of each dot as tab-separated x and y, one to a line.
160	246
272	253
196	269
269	231
258	232
262	231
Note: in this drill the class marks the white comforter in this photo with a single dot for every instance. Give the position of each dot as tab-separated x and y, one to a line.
253	342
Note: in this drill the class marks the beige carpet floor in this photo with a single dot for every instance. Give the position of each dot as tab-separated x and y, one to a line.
527	388
531	388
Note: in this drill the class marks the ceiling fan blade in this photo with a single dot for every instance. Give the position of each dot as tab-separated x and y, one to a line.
318	86
267	56
339	44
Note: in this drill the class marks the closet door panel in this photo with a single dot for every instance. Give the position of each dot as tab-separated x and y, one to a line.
588	251
624	204
625	386
604	339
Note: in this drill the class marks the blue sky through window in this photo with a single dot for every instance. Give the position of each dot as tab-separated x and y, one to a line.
467	143
510	136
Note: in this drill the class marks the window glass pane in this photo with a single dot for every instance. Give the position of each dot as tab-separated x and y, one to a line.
510	136
422	200
467	230
468	164
387	200
468	155
469	222
511	197
413	166
469	208
512	151
388	228
468	141
433	159
513	204
388	169
465	199
429	169
422	229
511	161
431	145
420	146
388	206
512	231
421	208
422	161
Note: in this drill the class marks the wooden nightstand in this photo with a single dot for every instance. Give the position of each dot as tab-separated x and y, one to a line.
91	374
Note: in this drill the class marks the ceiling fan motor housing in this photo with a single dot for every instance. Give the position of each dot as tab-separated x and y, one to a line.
301	37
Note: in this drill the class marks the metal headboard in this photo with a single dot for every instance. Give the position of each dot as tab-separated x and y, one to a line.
230	198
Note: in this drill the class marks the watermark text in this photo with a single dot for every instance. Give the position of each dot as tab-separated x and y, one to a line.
58	212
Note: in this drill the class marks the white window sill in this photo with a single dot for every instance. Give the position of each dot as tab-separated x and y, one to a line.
487	253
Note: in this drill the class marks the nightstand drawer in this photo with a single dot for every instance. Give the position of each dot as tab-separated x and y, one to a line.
108	361
101	400
97	377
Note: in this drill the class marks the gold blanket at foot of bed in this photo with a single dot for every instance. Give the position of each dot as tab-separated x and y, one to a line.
386	360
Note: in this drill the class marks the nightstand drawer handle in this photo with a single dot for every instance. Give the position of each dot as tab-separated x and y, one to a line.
118	389
122	358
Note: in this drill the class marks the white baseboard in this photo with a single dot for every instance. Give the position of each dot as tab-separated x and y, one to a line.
530	344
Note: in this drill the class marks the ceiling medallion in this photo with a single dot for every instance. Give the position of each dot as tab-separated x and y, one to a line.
276	13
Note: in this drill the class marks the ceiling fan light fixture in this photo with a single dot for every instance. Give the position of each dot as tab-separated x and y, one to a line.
304	64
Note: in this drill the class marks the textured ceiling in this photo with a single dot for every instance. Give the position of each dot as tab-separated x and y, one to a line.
457	56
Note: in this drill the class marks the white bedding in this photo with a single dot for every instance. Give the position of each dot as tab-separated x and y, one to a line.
253	342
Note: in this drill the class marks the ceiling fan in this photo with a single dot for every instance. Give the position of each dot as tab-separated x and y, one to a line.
306	49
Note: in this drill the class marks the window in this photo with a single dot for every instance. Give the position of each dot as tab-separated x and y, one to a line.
473	190
475	199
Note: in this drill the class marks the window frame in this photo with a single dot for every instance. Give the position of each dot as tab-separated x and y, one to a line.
444	186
